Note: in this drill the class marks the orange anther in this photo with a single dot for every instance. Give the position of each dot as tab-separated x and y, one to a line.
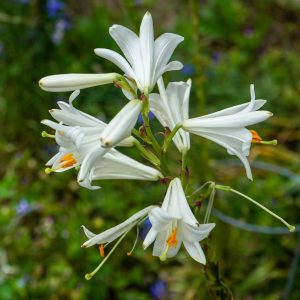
101	250
172	241
68	160
255	137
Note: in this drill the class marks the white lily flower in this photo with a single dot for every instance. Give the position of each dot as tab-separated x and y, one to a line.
80	146
170	107
227	127
173	224
115	232
121	125
72	82
146	59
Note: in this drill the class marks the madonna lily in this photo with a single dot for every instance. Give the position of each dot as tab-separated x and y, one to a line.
227	127
170	107
80	146
174	224
146	59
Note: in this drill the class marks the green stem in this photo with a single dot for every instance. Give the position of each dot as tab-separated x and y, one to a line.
184	178
151	157
170	137
149	133
229	189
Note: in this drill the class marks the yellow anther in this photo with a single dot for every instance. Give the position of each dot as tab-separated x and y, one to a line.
68	160
258	140
255	137
101	250
172	241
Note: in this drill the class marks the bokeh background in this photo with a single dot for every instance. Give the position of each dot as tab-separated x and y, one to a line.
228	45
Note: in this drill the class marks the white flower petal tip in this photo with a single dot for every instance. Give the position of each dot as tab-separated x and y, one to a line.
121	125
145	59
72	82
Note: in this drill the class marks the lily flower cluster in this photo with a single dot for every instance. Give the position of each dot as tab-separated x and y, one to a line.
93	147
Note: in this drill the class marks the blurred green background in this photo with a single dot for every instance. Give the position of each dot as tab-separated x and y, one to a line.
228	45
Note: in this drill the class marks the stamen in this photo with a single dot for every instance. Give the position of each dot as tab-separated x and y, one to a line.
101	249
172	241
45	134
135	242
49	170
256	139
163	257
68	160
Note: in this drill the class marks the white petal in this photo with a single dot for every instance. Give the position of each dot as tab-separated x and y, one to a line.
121	125
164	47
160	243
238	152
113	233
129	43
182	206
147	50
234	121
89	160
159	218
118	60
173	66
72	82
195	234
236	109
195	251
115	165
88	233
150	237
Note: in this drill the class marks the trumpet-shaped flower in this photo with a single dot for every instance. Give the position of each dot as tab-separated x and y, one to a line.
80	146
170	107
227	127
174	224
146	59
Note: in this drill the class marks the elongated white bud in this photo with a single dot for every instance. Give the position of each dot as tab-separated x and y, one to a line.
72	82
121	125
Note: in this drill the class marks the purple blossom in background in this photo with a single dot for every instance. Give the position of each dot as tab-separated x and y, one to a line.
150	116
59	32
24	1
217	56
248	31
23	207
188	70
145	228
54	7
157	289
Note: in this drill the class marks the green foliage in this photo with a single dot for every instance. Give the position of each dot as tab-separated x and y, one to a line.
242	42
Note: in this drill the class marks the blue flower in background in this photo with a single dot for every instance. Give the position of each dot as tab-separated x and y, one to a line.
145	228
23	207
54	7
188	70
157	289
60	28
150	116
217	56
